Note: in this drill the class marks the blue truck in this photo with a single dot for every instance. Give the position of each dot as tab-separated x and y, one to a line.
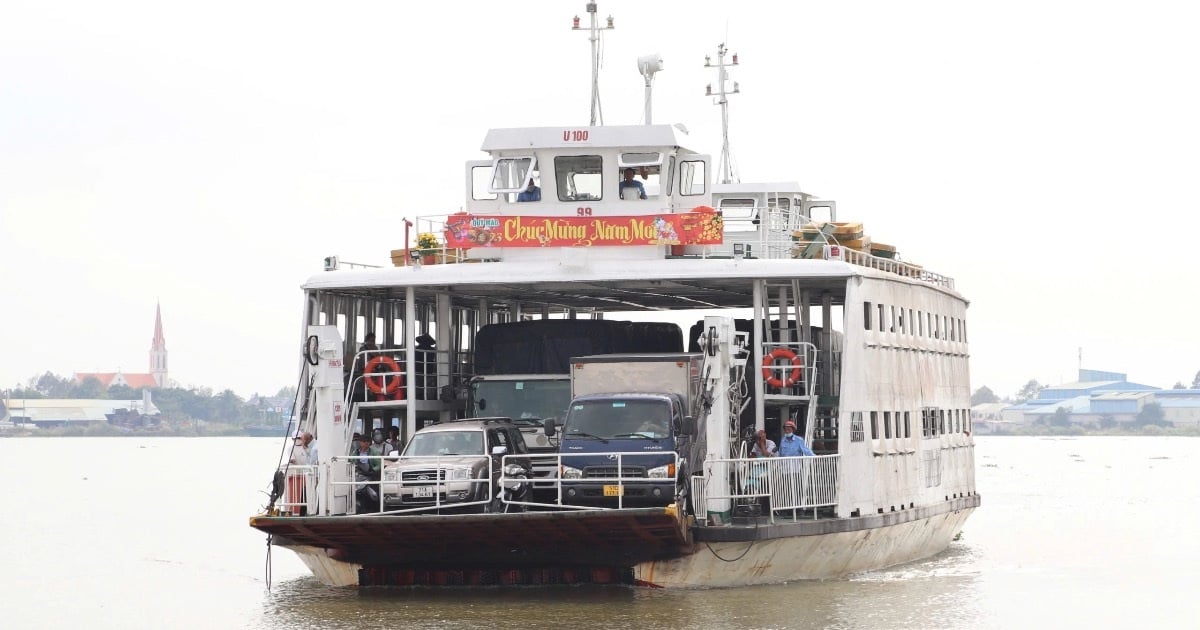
630	430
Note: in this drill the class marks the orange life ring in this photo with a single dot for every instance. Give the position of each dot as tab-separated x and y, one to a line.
768	368
377	383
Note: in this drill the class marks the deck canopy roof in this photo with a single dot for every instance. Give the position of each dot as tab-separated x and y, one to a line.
676	285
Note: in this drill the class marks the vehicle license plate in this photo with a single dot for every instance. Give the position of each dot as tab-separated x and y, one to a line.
614	491
422	492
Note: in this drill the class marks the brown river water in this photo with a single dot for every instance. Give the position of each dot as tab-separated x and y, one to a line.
131	532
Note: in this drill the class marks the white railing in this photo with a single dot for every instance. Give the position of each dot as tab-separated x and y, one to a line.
629	473
299	490
787	483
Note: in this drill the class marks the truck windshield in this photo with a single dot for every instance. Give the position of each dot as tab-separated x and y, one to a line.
619	418
446	443
528	403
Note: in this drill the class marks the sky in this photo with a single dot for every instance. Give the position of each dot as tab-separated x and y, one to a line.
207	156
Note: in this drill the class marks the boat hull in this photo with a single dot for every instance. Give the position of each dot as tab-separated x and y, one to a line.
834	554
666	554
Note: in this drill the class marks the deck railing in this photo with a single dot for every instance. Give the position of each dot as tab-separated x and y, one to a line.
629	470
299	490
787	484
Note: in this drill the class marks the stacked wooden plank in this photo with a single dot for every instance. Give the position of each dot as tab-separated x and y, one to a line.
810	239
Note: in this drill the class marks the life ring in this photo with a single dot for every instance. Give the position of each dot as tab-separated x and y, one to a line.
376	383
768	368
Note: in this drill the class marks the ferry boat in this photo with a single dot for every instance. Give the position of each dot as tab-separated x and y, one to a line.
785	319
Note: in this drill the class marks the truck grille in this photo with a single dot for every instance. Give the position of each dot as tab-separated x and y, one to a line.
611	471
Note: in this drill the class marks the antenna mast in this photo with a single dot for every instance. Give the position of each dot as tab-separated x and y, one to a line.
725	167
594	37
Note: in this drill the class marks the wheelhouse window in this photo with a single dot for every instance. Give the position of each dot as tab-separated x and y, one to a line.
510	175
739	213
692	178
579	177
784	205
648	167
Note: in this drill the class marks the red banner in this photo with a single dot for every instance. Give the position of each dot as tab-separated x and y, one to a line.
701	227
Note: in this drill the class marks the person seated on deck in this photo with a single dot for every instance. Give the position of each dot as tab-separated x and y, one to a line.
763	446
393	442
531	193
377	449
630	182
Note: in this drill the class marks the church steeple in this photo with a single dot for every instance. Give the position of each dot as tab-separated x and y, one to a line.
158	350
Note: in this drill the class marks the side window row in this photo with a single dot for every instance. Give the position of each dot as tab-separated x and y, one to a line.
889	424
914	323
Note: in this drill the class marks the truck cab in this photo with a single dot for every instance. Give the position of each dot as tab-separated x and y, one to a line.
628	449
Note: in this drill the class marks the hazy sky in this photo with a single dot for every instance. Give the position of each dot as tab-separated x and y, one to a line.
208	156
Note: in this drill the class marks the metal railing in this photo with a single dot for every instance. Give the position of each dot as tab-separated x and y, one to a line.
787	483
299	490
626	471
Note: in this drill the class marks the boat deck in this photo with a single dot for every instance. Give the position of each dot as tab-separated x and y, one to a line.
591	537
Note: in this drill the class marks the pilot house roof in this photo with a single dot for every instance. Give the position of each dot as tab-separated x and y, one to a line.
619	136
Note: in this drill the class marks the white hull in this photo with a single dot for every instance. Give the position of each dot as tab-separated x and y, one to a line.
805	557
771	561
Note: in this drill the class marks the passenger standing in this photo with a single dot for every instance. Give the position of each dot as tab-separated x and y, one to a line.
368	344
426	358
300	452
792	445
357	365
311	445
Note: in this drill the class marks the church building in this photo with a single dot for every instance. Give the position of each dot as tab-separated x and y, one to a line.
155	378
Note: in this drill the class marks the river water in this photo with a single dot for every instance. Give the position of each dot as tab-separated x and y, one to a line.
152	532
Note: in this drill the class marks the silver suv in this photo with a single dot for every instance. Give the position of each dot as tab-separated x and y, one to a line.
459	464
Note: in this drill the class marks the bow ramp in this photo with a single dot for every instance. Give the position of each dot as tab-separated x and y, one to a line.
608	538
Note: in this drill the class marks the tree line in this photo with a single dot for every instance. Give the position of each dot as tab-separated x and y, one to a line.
176	404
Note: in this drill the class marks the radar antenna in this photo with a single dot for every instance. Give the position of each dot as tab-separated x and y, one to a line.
726	169
594	31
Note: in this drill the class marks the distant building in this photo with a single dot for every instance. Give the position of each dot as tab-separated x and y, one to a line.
45	413
988	417
1099	398
156	377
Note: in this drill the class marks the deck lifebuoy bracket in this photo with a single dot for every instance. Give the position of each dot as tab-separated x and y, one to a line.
379	384
768	368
